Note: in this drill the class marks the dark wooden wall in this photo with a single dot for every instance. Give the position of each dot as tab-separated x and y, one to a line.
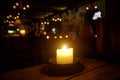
112	30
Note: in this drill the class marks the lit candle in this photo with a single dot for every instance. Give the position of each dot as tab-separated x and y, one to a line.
64	55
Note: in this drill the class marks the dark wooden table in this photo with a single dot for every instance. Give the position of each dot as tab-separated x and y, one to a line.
93	70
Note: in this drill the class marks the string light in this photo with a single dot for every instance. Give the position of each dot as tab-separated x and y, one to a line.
19	5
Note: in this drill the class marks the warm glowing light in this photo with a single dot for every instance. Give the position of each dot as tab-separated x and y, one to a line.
24	8
53	19
7	21
44	22
47	22
44	33
18	21
96	36
87	8
64	55
17	4
11	24
20	6
60	19
14	7
12	21
66	36
55	37
60	37
18	29
47	37
41	22
95	7
22	32
28	6
8	17
17	16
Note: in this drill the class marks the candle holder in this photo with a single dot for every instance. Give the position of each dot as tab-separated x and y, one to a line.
55	69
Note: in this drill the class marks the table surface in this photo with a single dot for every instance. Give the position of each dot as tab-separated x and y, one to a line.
93	70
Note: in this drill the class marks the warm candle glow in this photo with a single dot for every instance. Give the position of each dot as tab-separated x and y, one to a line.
64	55
47	37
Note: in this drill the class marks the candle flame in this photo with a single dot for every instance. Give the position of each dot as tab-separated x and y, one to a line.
64	47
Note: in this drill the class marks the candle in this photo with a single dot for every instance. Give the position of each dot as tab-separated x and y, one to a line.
64	55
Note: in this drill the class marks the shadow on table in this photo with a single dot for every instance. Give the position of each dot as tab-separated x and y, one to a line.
62	70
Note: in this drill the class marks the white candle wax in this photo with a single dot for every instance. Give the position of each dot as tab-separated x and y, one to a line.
64	55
